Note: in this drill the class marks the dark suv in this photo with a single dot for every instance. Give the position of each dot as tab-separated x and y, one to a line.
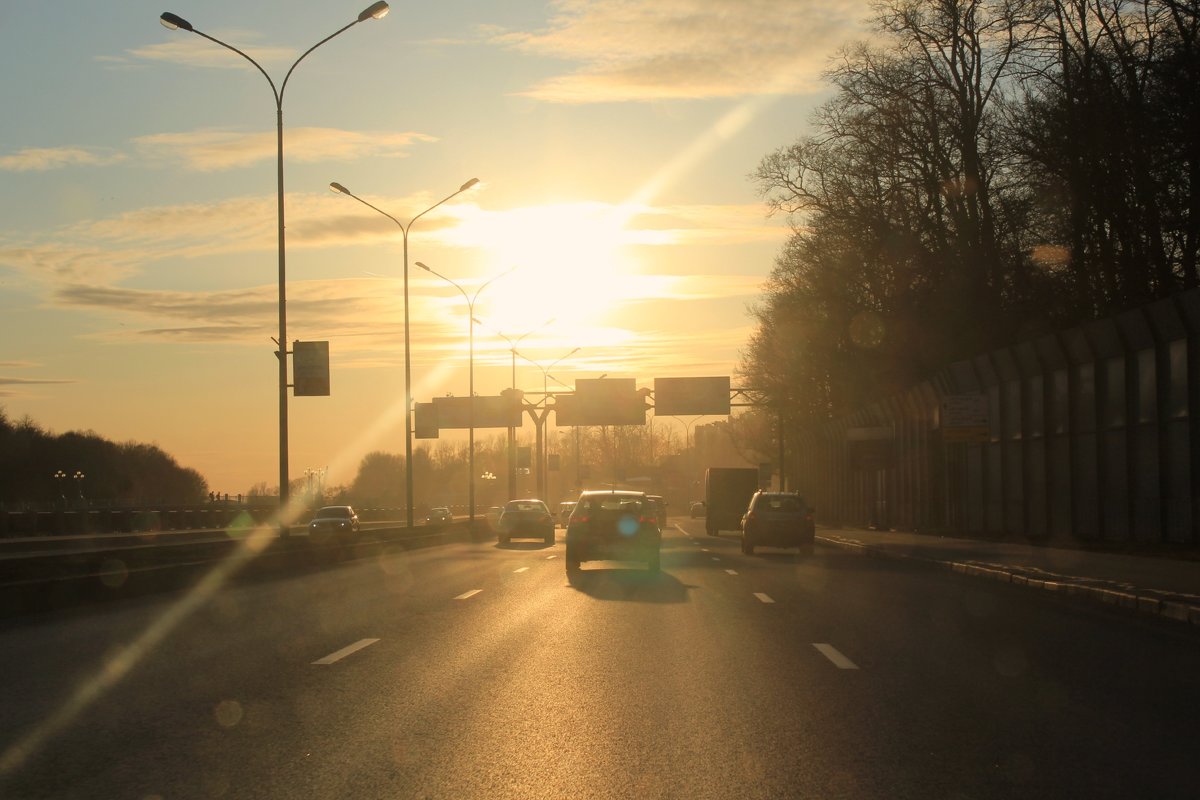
778	519
613	525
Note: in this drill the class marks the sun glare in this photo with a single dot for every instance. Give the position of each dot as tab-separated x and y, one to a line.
570	258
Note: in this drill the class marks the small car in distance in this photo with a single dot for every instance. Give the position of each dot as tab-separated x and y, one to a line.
334	521
438	516
493	516
778	519
525	519
659	504
564	511
696	509
613	525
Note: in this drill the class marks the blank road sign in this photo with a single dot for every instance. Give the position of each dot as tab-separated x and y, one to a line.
691	396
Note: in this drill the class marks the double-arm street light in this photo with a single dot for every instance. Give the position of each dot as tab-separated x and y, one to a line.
541	447
512	434
471	376
174	22
408	428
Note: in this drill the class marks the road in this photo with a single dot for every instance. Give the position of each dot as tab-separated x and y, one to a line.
475	671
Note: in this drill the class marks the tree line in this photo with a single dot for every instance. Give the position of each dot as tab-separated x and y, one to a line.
984	171
82	467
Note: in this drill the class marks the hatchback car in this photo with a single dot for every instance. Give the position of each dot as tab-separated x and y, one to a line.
696	509
438	515
777	519
564	511
525	519
613	525
334	521
659	503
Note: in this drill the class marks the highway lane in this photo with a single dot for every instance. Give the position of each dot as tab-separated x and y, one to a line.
472	670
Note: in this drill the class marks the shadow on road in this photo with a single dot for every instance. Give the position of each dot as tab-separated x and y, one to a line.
530	544
638	585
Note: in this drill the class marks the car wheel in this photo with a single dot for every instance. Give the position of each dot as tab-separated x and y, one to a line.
712	531
747	546
654	563
504	540
550	539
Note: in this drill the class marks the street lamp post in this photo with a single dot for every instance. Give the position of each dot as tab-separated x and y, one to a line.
471	377
541	446
691	461
512	434
60	478
174	22
408	428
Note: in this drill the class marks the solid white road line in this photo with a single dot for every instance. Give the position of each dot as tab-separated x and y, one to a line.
522	569
763	597
831	652
732	571
345	651
467	595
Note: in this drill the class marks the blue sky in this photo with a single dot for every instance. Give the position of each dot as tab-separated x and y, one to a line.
612	140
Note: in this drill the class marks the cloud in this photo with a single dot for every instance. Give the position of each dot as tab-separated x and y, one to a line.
316	309
32	381
193	51
6	381
106	251
33	159
209	150
676	49
707	224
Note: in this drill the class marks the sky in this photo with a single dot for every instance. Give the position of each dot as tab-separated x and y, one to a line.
612	139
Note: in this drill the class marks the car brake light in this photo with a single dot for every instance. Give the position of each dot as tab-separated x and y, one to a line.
579	519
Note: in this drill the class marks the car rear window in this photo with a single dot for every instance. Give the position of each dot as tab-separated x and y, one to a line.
622	505
525	505
782	503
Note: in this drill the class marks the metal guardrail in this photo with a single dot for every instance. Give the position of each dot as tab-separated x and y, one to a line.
106	557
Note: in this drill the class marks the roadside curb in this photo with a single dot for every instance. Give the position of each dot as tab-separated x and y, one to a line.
1159	604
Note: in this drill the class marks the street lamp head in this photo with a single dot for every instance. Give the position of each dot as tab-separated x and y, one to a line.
468	184
174	21
337	188
422	266
374	11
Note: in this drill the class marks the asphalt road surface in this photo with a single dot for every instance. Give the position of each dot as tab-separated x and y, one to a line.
478	671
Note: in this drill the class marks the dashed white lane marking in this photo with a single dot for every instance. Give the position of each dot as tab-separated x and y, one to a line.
714	558
831	652
550	557
732	571
764	597
705	550
467	595
345	651
522	569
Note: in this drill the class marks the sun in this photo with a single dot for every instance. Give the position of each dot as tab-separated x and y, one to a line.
569	261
